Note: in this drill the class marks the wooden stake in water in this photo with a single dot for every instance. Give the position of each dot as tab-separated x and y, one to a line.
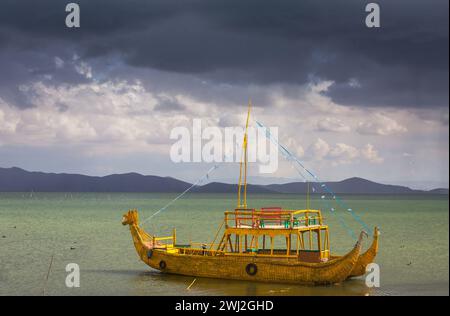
48	272
192	283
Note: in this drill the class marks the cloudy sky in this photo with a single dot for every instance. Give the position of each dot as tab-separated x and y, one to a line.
348	100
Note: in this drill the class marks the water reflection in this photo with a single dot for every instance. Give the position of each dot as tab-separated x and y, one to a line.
145	283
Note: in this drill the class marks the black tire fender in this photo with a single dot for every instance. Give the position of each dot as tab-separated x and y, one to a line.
251	269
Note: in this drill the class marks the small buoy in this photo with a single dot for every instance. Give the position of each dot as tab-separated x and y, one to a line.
408	264
3	236
72	248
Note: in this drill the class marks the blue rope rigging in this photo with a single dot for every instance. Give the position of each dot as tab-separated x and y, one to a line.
329	207
200	180
324	202
291	157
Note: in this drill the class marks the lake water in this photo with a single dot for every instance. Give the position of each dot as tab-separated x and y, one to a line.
85	229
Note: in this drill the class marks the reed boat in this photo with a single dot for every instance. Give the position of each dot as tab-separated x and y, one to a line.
269	244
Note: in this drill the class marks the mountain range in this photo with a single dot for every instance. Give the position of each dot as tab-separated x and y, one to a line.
19	180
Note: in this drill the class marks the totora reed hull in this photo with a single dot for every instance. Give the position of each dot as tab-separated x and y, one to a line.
238	266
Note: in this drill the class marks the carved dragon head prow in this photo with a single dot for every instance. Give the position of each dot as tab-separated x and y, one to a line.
130	218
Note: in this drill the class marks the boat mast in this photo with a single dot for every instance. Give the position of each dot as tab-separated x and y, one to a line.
307	196
242	186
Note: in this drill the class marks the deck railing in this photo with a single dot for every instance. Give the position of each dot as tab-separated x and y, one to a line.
251	218
165	242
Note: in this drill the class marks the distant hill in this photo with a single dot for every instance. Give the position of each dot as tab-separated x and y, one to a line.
351	185
438	191
19	180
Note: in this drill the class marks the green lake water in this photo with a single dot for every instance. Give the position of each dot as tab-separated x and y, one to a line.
85	228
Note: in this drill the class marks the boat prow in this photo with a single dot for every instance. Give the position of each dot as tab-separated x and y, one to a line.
365	258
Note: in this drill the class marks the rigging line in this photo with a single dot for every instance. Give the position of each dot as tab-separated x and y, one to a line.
339	217
206	176
287	152
182	193
298	171
290	159
329	207
338	200
345	206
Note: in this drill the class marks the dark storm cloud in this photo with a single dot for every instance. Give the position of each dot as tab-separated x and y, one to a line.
405	63
20	68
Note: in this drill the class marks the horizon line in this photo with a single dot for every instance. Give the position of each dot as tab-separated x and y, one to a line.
290	181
